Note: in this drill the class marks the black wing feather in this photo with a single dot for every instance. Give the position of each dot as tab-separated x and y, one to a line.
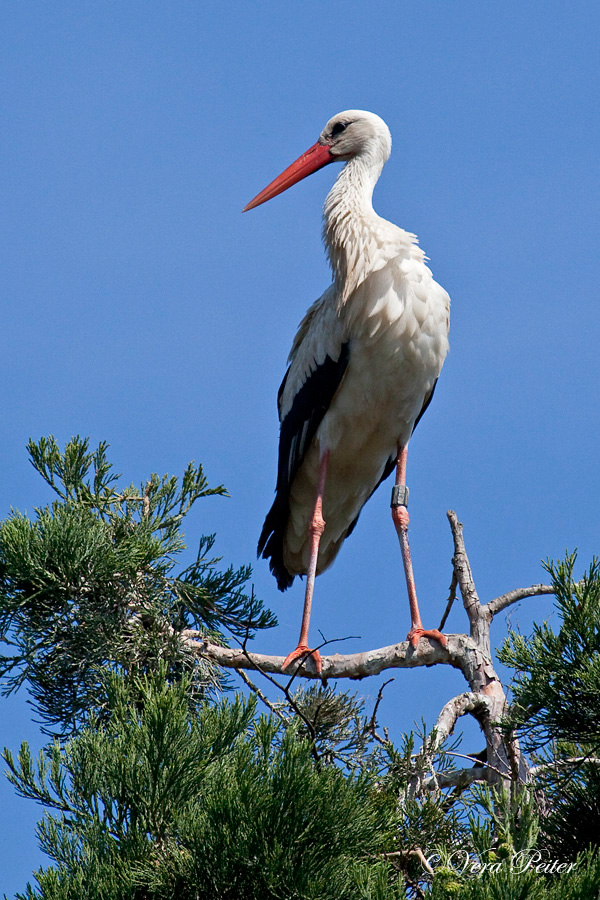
425	405
298	429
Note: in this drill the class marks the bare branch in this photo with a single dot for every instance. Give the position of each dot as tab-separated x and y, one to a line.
471	654
558	763
406	854
457	778
459	706
371	727
285	688
373	722
477	763
469	702
256	690
451	599
499	603
462	568
354	665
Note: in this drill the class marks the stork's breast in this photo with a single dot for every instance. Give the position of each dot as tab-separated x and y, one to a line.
396	322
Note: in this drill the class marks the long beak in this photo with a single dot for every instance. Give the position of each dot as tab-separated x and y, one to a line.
315	158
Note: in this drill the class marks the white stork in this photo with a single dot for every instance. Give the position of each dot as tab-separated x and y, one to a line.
362	370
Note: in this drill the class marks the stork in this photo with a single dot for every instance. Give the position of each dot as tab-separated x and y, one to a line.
362	371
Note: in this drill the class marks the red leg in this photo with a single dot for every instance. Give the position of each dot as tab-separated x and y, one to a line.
315	529
400	517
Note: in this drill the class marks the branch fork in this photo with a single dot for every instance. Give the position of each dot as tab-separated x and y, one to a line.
471	653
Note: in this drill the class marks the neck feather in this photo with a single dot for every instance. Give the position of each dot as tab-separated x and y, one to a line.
347	214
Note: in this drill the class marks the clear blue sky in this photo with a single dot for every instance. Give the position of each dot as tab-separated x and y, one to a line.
141	307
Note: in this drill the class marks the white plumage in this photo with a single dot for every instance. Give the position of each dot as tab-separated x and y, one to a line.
396	322
365	359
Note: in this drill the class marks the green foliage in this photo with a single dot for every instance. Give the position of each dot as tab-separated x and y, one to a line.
557	676
161	801
555	709
571	795
425	818
335	722
89	582
155	787
506	863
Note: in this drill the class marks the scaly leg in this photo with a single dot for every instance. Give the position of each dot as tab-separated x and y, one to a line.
400	517
315	529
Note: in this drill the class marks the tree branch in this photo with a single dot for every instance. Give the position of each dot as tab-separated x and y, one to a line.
499	603
372	725
406	854
450	601
462	569
354	665
256	690
457	778
469	653
469	702
558	763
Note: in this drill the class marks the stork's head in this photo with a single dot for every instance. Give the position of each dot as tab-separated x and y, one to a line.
350	134
357	133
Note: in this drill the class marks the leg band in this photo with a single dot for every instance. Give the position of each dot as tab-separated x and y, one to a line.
399	496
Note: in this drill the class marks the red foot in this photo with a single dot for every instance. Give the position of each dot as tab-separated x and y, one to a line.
433	634
303	651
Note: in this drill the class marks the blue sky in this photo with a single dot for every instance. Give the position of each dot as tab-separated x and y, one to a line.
140	307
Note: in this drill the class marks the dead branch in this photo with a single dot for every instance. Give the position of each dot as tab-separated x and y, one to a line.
499	603
559	763
371	727
457	778
462	569
256	690
353	665
470	653
450	601
468	702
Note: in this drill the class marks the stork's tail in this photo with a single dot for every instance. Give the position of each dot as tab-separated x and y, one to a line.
270	543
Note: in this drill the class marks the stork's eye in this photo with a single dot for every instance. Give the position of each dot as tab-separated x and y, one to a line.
338	128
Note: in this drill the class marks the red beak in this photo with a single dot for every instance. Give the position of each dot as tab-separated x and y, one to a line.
315	158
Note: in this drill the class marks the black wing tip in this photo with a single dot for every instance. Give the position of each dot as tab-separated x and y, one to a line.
298	429
270	544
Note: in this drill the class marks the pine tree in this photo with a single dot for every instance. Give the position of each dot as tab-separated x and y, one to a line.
555	709
160	783
90	582
157	800
305	803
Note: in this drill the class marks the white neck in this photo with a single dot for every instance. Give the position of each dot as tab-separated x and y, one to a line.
347	213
